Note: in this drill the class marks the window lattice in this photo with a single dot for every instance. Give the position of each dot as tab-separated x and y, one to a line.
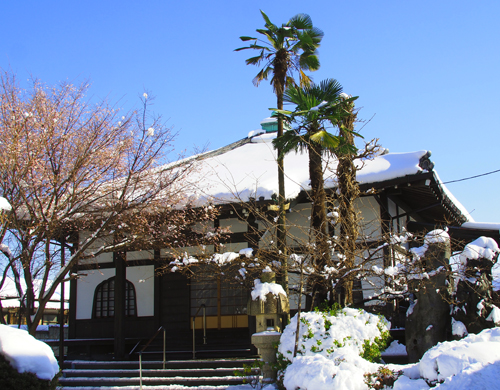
104	299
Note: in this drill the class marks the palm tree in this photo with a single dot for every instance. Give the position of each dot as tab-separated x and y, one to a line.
318	106
284	50
348	192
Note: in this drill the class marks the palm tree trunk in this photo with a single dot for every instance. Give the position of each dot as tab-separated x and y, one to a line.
319	224
280	74
348	193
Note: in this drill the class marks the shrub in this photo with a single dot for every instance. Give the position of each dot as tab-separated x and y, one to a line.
251	373
10	378
382	379
332	329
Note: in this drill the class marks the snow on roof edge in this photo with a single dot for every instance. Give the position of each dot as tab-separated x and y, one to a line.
482	225
460	207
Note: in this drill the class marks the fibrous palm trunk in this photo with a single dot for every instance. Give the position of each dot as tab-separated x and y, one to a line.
319	224
280	69
348	192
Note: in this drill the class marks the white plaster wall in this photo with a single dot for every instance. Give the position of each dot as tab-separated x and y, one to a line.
267	238
85	288
203	227
234	225
191	251
298	224
370	213
144	282
233	247
142	278
294	280
141	255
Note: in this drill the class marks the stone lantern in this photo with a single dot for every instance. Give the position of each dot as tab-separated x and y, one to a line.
269	304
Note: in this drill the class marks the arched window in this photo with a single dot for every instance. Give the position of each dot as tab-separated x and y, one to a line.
104	300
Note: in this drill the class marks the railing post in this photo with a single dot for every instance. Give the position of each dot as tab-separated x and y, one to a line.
194	351
204	326
140	370
164	345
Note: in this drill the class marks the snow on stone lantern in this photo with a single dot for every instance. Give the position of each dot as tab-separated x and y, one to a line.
268	303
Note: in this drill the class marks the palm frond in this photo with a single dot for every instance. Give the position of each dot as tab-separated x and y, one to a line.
266	32
346	130
262	75
277	112
326	139
305	80
301	21
308	61
267	20
305	39
316	34
289	141
345	148
254	60
245	38
331	89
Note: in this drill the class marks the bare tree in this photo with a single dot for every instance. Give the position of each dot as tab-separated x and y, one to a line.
68	166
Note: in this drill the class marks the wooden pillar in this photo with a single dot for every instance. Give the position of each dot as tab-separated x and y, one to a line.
120	278
61	311
385	224
157	290
72	331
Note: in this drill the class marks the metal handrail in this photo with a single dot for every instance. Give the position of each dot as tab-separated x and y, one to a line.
147	345
202	306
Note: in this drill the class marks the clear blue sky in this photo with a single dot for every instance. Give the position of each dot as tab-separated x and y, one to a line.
426	70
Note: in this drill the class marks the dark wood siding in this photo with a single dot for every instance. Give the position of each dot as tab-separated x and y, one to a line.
174	302
139	327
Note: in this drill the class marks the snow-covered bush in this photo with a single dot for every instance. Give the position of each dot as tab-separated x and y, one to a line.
25	363
473	307
470	363
335	349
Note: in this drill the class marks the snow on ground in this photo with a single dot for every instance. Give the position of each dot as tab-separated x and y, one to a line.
472	363
27	354
395	349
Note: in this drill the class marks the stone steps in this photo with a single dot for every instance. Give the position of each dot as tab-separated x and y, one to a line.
202	374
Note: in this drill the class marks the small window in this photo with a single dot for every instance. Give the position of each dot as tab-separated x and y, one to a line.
104	299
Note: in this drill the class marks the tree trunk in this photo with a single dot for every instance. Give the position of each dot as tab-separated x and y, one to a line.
280	67
319	223
347	194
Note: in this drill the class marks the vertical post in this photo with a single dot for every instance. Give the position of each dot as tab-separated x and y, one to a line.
164	345
194	351
119	309
61	310
140	370
204	325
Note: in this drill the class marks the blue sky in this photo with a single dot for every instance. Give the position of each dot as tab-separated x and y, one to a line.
426	72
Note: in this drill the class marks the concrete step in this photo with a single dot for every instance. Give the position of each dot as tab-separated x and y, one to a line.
204	374
170	364
99	382
199	372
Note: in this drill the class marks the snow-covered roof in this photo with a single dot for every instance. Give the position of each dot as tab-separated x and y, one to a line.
482	225
248	168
